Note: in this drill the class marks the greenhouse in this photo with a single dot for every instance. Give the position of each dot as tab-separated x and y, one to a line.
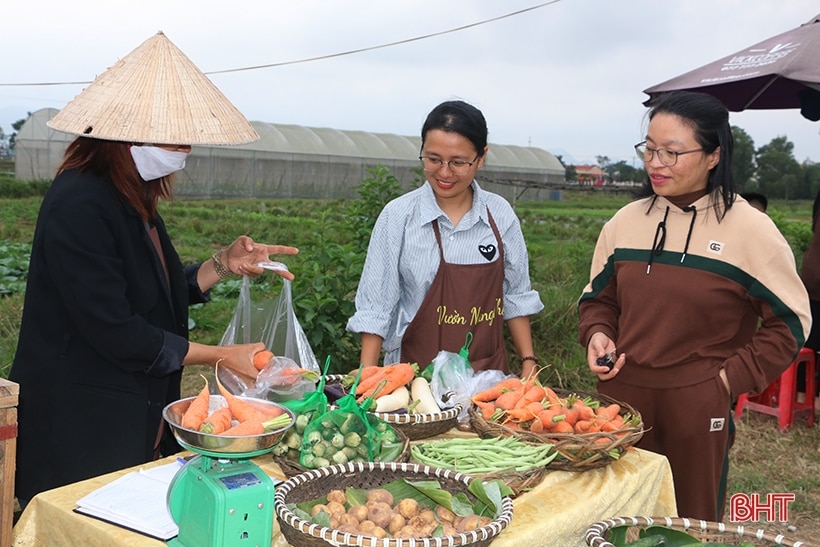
292	161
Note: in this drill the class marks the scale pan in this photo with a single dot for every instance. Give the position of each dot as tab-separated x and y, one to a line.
220	445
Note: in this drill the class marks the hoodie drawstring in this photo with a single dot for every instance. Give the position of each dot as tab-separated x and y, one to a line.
694	211
660	236
659	241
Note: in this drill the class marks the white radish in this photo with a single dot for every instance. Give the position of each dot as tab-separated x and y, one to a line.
398	399
420	391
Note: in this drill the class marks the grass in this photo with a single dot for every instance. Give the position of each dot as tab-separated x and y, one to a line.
560	236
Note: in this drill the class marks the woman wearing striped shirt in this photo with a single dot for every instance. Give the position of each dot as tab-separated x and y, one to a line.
447	259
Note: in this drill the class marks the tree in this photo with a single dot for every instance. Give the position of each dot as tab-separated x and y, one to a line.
743	160
778	173
624	172
16	126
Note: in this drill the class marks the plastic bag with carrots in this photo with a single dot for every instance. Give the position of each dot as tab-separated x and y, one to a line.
272	322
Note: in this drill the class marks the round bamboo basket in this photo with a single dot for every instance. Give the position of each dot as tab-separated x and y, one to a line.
705	531
317	483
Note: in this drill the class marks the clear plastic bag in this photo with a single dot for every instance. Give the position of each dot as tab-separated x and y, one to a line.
274	323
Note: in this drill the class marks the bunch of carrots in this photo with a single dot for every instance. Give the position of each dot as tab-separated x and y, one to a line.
386	379
251	420
527	405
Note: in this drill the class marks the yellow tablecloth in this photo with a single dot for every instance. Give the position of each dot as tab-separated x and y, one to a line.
555	513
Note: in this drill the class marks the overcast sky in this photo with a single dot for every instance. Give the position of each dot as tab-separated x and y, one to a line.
567	77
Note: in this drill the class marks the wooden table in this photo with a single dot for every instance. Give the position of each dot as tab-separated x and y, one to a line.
9	394
555	513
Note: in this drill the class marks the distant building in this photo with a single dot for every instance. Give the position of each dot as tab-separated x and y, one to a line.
293	161
591	175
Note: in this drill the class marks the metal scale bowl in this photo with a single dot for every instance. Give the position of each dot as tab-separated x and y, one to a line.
220	497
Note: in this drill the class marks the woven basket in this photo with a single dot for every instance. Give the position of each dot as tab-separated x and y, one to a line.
576	452
317	483
704	531
291	468
518	481
415	426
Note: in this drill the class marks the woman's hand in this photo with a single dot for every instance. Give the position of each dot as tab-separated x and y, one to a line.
239	359
600	345
243	255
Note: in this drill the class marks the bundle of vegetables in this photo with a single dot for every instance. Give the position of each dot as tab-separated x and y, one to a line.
396	387
527	405
310	405
349	433
403	509
237	418
475	456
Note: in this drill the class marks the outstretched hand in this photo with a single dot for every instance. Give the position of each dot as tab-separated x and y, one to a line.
244	255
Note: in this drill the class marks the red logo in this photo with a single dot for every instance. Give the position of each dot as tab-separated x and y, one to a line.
746	507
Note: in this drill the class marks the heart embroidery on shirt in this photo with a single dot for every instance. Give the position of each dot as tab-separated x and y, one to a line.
487	250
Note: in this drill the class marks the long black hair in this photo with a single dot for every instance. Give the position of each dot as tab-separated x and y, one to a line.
709	119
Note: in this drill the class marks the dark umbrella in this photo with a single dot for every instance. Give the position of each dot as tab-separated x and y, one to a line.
780	72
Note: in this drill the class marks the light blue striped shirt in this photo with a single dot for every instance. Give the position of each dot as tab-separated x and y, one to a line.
403	258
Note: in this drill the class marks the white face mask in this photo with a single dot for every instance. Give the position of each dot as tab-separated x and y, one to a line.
154	162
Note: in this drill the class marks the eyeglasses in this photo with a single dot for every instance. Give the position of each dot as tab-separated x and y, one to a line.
457	167
666	157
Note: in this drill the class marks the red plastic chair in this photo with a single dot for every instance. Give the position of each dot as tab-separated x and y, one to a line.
780	397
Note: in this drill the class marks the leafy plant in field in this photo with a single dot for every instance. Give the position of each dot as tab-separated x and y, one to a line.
14	258
325	289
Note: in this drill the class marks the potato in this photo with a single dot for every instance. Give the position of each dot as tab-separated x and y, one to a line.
358	511
337	496
408	508
336	508
397	522
444	515
378	532
380	513
347	518
427	515
469	523
380	494
366	526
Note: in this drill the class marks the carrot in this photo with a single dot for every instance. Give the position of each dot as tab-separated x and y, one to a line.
240	409
551	396
397	375
486	408
585	412
372	379
582	426
562	427
508	399
534	393
536	426
492	393
609	411
219	421
367	372
261	359
198	409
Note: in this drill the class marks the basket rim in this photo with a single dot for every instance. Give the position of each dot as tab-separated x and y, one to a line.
594	537
488	531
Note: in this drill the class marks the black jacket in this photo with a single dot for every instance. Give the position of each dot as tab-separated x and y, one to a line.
102	337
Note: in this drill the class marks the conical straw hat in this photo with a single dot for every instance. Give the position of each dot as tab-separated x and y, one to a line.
155	95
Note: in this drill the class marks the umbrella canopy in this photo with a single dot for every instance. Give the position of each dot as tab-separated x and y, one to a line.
780	72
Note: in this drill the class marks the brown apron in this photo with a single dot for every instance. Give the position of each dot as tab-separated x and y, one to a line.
464	298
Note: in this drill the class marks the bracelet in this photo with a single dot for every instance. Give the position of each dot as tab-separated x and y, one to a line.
532	358
219	267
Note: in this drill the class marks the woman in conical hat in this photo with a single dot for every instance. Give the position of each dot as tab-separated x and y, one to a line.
104	332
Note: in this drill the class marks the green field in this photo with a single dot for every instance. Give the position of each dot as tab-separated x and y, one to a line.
560	236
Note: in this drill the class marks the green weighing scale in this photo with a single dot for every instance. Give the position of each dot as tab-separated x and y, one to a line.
220	498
